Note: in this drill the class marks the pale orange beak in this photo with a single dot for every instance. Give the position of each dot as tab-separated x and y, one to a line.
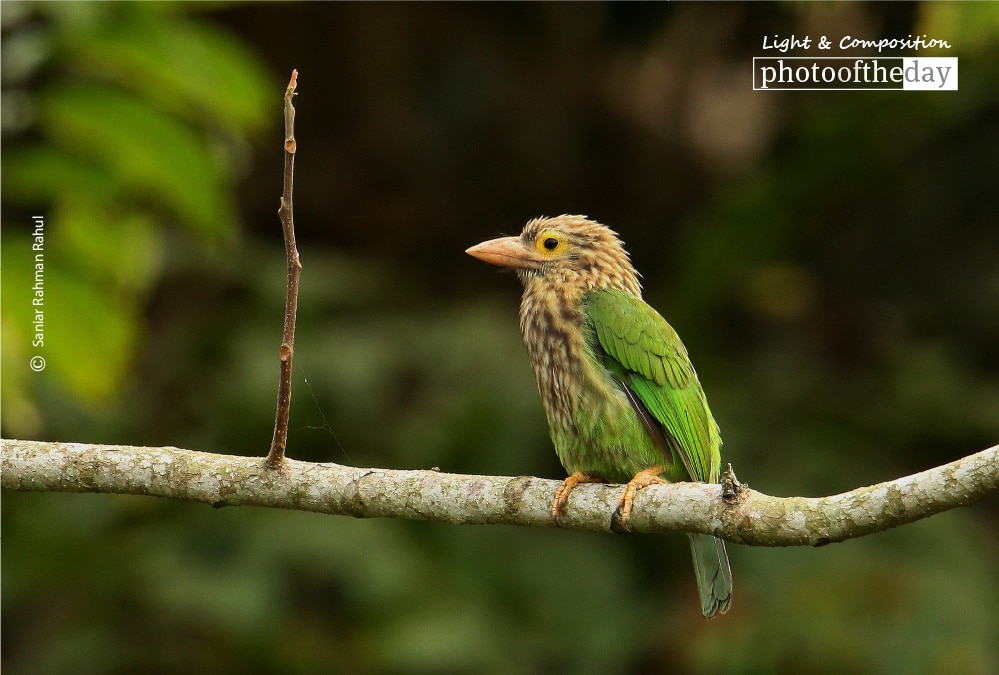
506	252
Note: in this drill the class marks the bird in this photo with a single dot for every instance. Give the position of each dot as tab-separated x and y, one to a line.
621	397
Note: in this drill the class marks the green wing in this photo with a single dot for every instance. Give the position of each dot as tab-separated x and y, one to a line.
646	356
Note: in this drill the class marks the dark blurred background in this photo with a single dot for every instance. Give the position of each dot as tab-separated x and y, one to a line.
831	260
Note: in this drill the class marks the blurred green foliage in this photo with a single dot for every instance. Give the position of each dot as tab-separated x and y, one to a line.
121	120
830	259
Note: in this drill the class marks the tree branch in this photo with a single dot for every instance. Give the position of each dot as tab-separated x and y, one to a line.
745	517
286	212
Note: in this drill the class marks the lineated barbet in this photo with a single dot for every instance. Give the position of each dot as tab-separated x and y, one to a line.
623	401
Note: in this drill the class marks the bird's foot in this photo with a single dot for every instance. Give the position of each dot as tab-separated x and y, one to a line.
643	478
567	486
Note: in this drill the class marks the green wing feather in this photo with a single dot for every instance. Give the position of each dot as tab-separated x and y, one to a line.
646	355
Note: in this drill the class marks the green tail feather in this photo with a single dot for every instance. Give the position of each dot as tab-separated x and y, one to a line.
714	576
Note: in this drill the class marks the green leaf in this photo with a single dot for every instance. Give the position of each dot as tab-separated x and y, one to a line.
90	335
116	250
185	66
41	174
146	150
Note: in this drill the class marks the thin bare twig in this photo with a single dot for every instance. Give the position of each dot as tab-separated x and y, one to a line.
275	458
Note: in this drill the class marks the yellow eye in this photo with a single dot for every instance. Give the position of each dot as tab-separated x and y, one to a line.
549	243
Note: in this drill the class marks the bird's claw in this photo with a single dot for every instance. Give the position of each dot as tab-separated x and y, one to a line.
622	515
567	486
561	498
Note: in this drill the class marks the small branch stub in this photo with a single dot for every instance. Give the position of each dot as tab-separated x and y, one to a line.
275	458
731	487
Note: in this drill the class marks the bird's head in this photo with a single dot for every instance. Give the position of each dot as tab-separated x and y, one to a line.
571	252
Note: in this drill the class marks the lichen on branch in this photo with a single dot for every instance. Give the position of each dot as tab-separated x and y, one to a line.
747	517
